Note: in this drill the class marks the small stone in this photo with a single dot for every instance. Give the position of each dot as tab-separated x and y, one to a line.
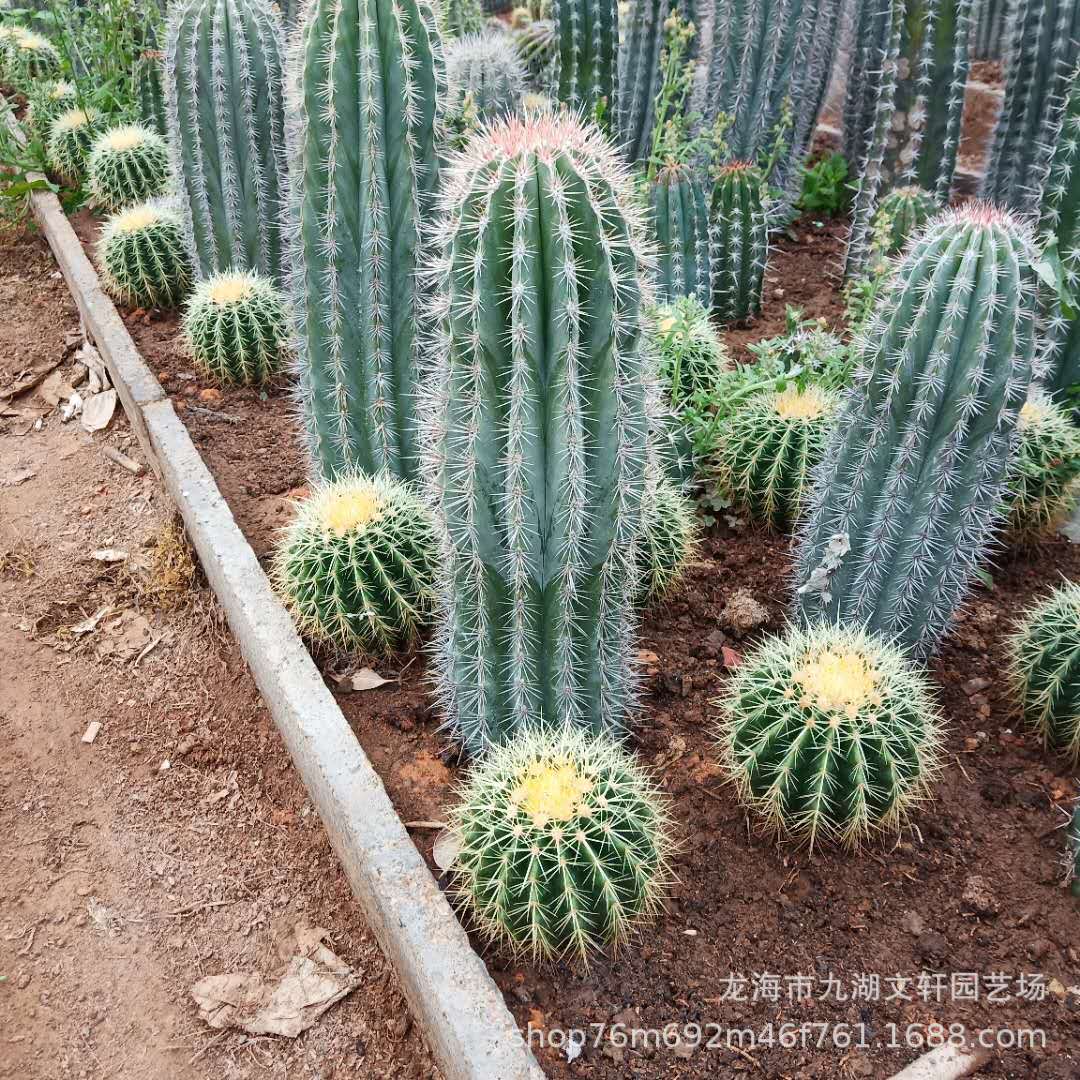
24	980
973	686
979	898
913	923
743	613
211	395
932	946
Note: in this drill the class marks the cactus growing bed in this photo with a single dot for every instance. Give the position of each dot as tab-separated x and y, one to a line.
973	886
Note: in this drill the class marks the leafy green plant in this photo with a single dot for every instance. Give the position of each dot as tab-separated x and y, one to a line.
806	353
825	188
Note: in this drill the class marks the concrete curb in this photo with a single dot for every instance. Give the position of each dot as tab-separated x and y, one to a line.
469	1029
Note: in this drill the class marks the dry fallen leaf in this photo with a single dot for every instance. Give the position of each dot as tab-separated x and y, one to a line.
361	679
446	849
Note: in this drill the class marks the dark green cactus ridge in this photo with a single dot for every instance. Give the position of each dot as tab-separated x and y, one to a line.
539	428
1046	473
1045	668
236	328
768	447
588	33
226	121
1041	53
668	538
485	69
565	845
365	78
680	216
142	256
912	487
127	165
357	564
740	241
988	36
829	733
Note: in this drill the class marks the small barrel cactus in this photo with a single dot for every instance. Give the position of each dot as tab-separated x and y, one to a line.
461	17
236	327
46	100
913	486
485	69
739	215
540	457
667	541
70	140
900	215
1044	654
128	164
767	448
830	733
30	57
680	215
143	257
565	844
1046	473
356	565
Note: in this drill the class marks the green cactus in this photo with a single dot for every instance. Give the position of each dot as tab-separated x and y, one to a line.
904	105
668	538
485	69
565	844
236	328
1042	50
128	164
806	352
70	139
588	33
540	457
142	256
913	484
740	241
680	218
1044	666
900	215
830	733
988	36
537	45
461	17
226	121
768	447
356	565
364	167
150	91
1046	473
1072	851
29	58
1059	236
45	101
640	52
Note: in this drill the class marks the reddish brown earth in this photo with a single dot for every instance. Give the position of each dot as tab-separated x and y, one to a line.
973	885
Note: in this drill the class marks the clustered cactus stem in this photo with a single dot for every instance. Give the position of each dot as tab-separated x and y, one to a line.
740	240
565	845
1045	668
127	165
365	77
144	260
461	17
912	487
357	564
640	75
830	733
223	87
539	429
680	216
150	90
236	328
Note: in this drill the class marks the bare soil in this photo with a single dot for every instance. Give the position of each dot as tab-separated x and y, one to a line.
122	882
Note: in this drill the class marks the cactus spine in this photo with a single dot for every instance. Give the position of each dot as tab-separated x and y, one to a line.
223	86
143	258
539	431
364	81
913	484
740	241
565	845
680	216
828	732
1042	51
485	69
1045	669
127	165
1059	225
639	75
588	33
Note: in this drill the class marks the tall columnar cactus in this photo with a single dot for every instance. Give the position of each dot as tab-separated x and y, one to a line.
1059	228
461	17
740	240
223	87
913	485
988	35
680	217
150	90
364	81
565	845
485	69
904	104
768	67
639	75
1045	667
829	732
1042	50
541	410
899	216
588	33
